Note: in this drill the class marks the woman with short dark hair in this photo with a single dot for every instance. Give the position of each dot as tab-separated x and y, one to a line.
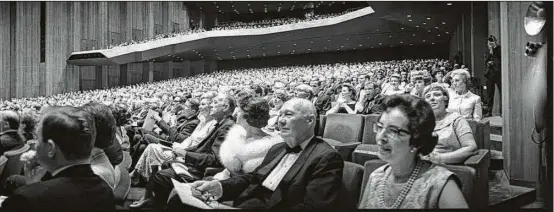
405	131
246	143
345	102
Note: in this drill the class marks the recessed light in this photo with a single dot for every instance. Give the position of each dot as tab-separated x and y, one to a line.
402	28
428	30
439	35
410	20
443	22
428	18
380	44
436	27
401	42
417	26
447	32
449	4
409	16
433	43
390	36
424	23
413	35
342	46
360	45
423	40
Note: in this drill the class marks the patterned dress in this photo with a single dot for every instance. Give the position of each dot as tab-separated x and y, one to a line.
424	193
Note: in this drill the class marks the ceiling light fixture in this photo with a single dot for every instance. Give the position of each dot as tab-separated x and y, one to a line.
410	20
443	22
449	4
424	23
428	18
409	16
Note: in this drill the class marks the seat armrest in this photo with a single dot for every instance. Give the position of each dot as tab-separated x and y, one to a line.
478	159
211	171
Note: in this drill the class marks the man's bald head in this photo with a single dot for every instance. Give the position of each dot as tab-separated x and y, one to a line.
305	107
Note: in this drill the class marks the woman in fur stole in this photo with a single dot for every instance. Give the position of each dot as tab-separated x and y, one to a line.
246	143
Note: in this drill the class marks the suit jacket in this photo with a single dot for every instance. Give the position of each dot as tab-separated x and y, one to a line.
206	153
76	188
312	183
10	140
181	132
374	105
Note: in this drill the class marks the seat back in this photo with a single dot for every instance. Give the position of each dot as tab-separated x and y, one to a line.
369	167
3	161
352	177
14	165
481	133
345	128
467	177
123	186
321	125
369	135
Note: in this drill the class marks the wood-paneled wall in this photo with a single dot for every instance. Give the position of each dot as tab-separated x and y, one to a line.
77	26
5	50
520	154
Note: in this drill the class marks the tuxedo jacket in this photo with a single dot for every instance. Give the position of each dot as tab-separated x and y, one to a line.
76	188
206	153
182	131
313	182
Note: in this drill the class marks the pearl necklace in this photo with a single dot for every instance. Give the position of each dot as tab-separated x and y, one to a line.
403	192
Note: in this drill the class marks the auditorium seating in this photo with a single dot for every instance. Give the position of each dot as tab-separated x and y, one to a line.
3	161
352	178
14	165
344	132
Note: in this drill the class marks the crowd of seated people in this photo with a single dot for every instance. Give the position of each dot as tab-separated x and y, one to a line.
237	134
273	22
230	26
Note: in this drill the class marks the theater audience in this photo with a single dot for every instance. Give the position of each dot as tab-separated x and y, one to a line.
371	101
404	131
183	131
456	142
196	158
66	138
10	138
345	102
122	116
246	144
107	152
462	100
276	103
393	87
302	173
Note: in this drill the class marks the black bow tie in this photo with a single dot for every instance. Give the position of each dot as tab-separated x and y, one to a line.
296	149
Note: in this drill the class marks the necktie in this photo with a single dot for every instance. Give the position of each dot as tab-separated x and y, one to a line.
296	149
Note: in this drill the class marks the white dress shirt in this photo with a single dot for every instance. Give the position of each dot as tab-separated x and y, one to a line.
275	177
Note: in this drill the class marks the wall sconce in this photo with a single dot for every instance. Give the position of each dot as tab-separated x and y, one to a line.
535	19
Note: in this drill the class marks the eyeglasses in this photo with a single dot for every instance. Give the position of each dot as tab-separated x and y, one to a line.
390	131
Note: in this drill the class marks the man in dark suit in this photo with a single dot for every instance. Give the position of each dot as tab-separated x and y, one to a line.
199	157
184	130
301	174
371	101
493	73
66	138
10	139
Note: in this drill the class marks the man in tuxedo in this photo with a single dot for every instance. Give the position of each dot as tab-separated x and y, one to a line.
303	173
199	157
66	138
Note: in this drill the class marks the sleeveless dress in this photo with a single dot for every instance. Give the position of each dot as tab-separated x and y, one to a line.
424	193
449	130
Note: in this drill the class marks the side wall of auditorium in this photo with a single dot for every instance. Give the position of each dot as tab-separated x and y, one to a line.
36	38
